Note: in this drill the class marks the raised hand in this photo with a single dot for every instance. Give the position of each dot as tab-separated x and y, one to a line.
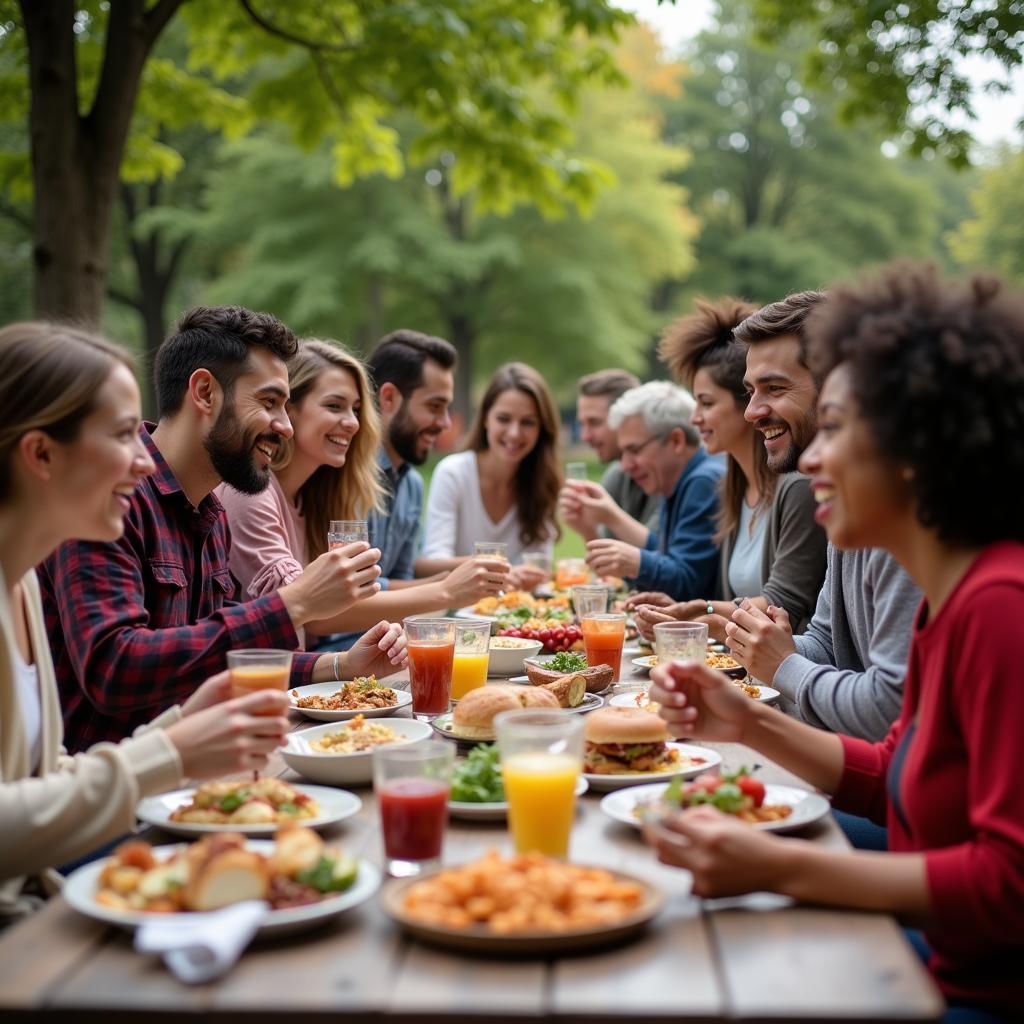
696	700
476	577
760	641
333	582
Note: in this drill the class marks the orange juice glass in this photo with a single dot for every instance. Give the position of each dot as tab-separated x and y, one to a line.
603	637
541	755
571	571
472	655
259	670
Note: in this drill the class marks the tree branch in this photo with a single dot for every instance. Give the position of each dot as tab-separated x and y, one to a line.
291	37
124	298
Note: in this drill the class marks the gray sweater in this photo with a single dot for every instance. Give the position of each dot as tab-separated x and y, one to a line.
847	674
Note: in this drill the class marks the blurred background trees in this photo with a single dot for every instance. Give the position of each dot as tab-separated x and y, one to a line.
533	181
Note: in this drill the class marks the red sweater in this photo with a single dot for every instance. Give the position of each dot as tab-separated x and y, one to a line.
961	783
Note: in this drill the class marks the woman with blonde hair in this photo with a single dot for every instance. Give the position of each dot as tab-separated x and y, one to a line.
327	470
504	486
70	454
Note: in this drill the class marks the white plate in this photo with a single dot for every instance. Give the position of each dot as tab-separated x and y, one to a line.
81	886
807	806
335	806
468	613
646	663
628	700
327	689
343	769
494	811
602	783
769	695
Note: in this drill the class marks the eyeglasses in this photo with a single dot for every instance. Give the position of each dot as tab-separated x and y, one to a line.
633	450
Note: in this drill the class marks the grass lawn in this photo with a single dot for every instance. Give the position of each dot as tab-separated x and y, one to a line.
571	543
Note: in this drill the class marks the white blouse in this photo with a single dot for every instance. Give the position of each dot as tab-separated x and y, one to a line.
27	682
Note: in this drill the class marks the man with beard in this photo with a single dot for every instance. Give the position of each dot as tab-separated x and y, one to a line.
146	619
845	672
414	377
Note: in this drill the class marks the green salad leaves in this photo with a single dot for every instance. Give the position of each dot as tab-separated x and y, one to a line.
477	780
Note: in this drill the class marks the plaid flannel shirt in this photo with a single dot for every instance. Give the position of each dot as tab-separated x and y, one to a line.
136	626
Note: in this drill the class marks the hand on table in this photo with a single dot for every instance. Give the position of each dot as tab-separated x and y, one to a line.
609	557
655	598
230	736
726	856
479	576
760	641
646	617
696	700
381	651
526	577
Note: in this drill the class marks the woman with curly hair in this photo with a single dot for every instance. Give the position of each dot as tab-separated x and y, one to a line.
772	550
504	485
920	451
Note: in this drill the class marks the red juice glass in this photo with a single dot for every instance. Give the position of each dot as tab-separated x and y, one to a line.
431	644
412	783
603	637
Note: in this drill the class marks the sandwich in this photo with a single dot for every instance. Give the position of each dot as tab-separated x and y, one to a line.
473	717
621	741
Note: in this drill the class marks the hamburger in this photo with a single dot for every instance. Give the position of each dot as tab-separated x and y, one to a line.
473	717
620	741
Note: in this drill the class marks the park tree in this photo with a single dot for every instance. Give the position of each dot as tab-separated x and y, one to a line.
88	81
993	235
903	64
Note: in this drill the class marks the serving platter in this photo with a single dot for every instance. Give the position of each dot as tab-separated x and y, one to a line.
496	810
404	699
479	939
808	806
335	805
701	759
81	886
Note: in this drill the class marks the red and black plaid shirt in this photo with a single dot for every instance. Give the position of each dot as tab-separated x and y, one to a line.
137	625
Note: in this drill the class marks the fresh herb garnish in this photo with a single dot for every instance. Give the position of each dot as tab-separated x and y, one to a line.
233	801
568	661
477	780
330	874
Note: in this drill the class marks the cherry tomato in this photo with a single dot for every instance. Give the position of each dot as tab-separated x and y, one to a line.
544	635
754	788
559	633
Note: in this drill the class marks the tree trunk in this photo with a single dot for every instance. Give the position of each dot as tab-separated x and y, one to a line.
462	334
76	159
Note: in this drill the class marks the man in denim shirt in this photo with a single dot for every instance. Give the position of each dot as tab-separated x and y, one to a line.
414	377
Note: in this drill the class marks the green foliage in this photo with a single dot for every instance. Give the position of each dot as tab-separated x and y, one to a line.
903	64
994	236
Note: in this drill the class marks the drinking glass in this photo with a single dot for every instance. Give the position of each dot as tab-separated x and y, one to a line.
538	560
576	471
541	755
681	641
603	637
431	645
590	598
492	549
347	531
472	654
412	783
570	571
259	669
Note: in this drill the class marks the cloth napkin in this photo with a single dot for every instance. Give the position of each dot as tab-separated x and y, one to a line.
200	947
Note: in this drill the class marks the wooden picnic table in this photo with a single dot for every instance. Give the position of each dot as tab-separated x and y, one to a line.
755	958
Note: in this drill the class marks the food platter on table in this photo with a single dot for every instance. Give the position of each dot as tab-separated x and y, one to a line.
807	806
81	887
334	805
495	810
402	699
693	761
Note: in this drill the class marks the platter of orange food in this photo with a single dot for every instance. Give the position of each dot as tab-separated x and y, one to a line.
525	904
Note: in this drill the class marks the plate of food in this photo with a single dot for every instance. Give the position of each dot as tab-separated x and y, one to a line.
769	807
640	698
477	792
339	702
630	746
475	907
341	753
302	879
253	808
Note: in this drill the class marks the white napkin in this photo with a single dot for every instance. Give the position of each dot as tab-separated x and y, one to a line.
200	947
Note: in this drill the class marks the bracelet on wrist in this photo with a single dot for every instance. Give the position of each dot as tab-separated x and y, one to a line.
337	673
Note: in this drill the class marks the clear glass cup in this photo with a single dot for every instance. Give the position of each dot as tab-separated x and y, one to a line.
538	560
347	531
571	571
590	598
541	756
604	635
681	641
431	643
492	549
412	783
259	669
472	654
576	471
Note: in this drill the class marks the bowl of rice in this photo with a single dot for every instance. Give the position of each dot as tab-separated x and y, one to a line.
341	753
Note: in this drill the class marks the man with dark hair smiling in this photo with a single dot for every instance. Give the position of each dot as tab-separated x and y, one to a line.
146	619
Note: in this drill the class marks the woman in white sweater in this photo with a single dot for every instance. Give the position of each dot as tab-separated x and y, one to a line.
70	453
504	486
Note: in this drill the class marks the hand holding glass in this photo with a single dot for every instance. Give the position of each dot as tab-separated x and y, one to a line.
347	531
259	669
492	549
541	755
576	471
